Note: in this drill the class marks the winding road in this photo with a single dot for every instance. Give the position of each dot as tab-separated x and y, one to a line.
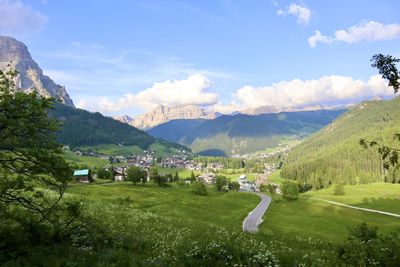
254	219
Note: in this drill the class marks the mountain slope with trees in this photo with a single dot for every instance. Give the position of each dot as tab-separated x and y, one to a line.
227	135
334	154
83	128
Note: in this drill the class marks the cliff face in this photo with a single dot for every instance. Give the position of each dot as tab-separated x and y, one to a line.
14	55
162	114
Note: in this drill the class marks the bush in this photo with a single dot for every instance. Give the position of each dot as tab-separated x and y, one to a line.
103	174
339	189
220	182
290	190
234	186
199	188
366	247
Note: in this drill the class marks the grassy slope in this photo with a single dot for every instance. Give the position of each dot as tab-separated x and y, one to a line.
380	196
305	217
160	148
220	209
309	217
91	162
335	151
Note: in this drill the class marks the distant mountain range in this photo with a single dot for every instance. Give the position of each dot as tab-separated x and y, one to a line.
163	113
334	154
14	55
237	134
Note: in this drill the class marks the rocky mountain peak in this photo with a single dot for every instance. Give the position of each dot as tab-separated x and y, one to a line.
164	113
14	55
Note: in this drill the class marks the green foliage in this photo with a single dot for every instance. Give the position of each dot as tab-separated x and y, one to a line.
290	190
33	174
387	67
192	177
135	174
339	189
234	186
268	188
199	188
103	173
176	177
366	247
220	182
334	155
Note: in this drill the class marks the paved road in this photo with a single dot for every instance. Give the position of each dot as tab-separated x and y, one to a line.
250	224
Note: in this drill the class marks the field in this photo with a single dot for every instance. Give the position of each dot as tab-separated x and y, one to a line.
275	178
113	149
379	196
220	209
308	216
91	162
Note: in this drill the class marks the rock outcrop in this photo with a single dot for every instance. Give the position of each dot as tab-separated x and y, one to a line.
14	55
162	114
124	119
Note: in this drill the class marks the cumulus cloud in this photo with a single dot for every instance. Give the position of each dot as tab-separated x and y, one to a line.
17	18
302	13
328	90
191	91
364	31
318	38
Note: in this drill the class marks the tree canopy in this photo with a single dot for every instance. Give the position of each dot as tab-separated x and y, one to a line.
386	64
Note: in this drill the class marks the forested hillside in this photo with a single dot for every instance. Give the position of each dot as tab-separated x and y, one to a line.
334	153
228	135
83	128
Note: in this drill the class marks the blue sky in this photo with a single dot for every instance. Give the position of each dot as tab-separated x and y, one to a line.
125	57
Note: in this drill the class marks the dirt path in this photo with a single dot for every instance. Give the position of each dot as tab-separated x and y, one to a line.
359	208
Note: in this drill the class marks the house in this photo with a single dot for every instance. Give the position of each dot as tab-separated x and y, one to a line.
207	178
83	176
119	174
248	187
242	179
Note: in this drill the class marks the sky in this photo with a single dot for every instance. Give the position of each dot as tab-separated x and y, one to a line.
128	56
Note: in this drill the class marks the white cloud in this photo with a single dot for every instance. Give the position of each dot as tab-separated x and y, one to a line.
327	90
191	91
364	31
82	104
318	37
17	18
302	13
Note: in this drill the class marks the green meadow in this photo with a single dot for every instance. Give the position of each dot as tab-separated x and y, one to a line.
91	162
219	209
309	216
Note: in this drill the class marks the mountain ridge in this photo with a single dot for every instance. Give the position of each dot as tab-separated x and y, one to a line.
165	113
241	133
83	128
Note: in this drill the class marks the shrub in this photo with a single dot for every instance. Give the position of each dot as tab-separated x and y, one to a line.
234	186
366	247
339	189
199	188
290	190
220	182
103	174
